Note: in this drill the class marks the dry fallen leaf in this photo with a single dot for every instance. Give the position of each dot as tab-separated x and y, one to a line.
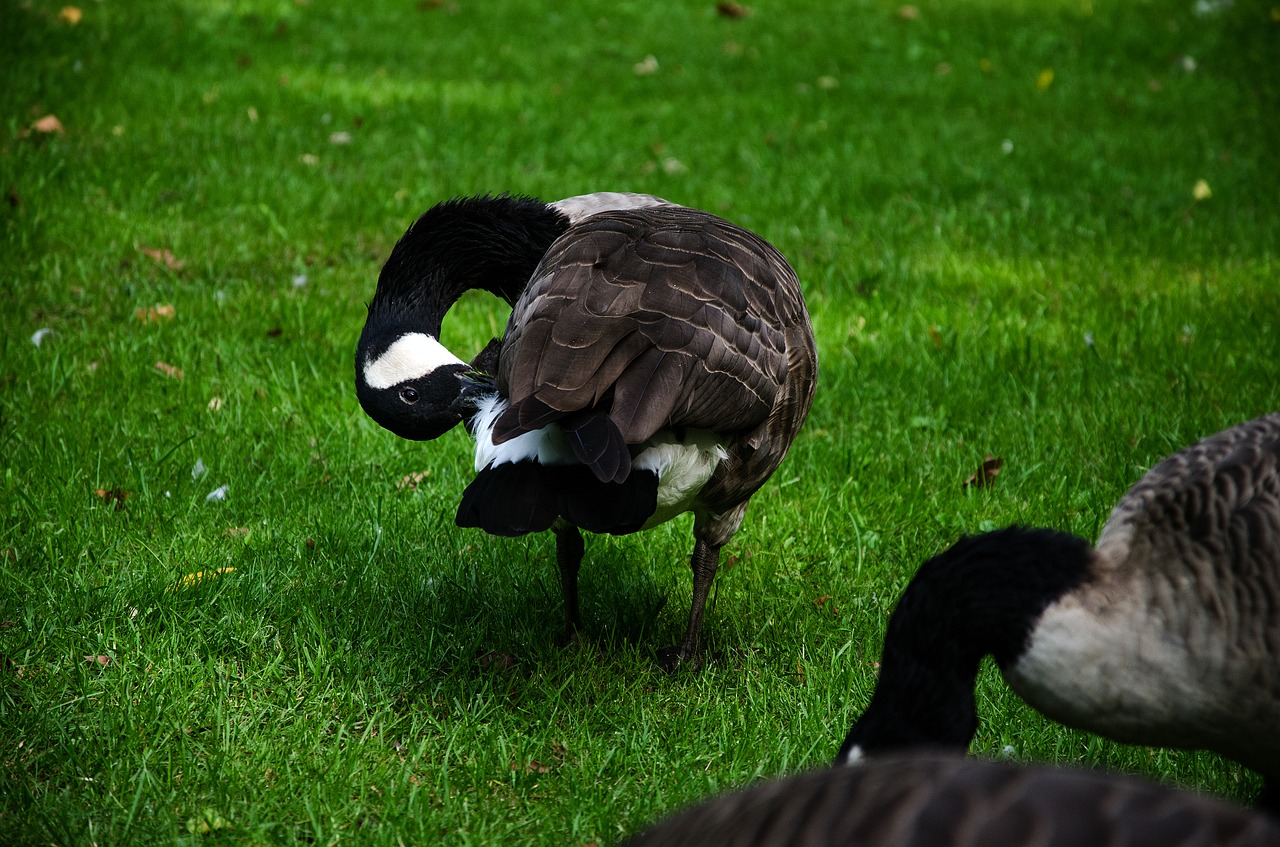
534	766
101	661
908	12
411	481
729	9
169	370
165	257
155	314
646	66
237	532
496	660
48	125
986	473
70	15
113	495
215	403
194	578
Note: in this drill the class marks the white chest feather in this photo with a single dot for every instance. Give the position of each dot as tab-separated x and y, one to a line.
1124	673
683	464
546	446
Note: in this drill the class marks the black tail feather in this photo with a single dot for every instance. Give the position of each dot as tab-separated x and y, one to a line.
508	499
515	498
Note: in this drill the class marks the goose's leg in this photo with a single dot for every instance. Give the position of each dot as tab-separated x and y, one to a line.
569	550
705	561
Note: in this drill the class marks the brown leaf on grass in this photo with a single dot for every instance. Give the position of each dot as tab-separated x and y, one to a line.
164	257
936	334
70	15
908	12
496	660
534	766
236	532
155	314
48	125
411	481
169	370
986	473
113	495
821	601
101	661
729	9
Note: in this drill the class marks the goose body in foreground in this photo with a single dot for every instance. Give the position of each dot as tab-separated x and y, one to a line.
657	360
1165	633
933	800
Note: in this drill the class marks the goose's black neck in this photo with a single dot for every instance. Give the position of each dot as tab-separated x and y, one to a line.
488	243
980	597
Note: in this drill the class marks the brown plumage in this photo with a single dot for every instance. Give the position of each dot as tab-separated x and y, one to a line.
657	360
949	801
665	318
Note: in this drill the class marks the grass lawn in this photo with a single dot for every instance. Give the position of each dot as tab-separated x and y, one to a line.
1043	231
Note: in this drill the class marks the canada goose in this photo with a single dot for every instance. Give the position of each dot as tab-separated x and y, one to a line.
948	801
1166	633
658	360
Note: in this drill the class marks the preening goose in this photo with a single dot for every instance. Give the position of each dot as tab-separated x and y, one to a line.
658	360
1166	633
949	801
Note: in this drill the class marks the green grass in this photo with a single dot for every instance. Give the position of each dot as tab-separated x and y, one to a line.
992	267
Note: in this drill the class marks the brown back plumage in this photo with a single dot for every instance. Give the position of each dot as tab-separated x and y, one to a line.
1196	542
658	318
948	801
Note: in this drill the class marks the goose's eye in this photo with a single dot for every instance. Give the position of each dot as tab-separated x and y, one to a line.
409	395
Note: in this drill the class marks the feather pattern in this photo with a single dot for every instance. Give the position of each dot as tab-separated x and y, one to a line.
1166	632
663	317
949	801
1184	584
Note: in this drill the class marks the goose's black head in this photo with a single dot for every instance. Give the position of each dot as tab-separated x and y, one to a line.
405	379
410	384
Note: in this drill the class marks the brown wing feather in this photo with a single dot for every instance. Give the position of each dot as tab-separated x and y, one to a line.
670	316
1209	492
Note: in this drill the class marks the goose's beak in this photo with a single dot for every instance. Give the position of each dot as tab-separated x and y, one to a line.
474	385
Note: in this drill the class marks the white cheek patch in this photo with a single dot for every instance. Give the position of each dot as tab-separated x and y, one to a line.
410	356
